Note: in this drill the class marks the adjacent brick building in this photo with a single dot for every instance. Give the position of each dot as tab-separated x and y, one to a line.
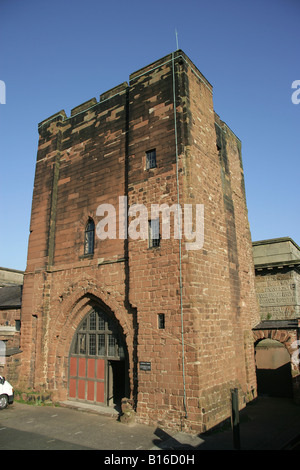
11	281
146	318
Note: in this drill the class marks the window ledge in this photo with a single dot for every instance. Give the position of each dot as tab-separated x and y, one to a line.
89	256
7	330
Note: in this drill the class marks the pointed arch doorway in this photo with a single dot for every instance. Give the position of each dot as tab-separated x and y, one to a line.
98	361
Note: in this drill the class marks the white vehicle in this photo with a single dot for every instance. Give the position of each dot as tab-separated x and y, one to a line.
6	393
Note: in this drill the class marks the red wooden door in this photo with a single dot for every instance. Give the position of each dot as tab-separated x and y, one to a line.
87	379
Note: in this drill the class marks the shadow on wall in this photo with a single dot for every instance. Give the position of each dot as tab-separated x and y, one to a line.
273	369
275	382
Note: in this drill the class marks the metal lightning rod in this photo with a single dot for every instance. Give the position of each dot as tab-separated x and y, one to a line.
176	38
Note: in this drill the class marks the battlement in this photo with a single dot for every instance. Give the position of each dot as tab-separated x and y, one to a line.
178	55
87	105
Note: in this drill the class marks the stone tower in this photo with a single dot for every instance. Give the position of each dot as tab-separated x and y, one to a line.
162	319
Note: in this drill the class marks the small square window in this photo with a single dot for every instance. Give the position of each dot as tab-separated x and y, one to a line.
154	236
151	159
161	321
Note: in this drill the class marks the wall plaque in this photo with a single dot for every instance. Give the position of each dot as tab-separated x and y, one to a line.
145	365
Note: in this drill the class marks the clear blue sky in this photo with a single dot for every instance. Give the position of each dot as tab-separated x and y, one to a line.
57	54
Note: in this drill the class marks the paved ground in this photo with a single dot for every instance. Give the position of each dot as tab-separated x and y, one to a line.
268	424
43	427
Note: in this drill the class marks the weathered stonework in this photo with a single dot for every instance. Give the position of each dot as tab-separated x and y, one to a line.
180	375
277	268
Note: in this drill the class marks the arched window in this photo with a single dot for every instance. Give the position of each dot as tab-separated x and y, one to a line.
97	335
89	237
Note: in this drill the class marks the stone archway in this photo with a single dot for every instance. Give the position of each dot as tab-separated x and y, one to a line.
72	307
275	351
98	362
273	369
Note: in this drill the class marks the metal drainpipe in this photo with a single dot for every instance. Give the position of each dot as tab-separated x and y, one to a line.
179	226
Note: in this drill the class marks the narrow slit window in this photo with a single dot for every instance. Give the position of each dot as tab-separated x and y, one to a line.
154	236
89	238
151	159
161	321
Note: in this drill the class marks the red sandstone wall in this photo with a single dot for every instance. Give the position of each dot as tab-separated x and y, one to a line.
85	169
213	286
154	272
97	155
